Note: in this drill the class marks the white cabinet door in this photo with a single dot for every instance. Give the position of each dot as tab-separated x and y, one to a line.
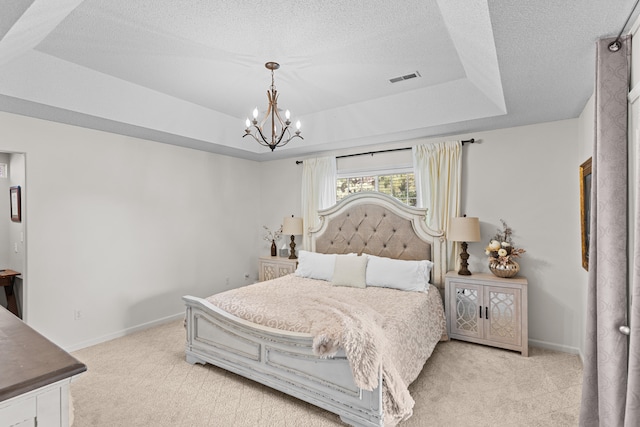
466	310
503	315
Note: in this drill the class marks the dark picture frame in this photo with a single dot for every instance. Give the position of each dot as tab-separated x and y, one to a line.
16	209
585	210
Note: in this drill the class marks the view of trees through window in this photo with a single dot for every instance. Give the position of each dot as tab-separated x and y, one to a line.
402	186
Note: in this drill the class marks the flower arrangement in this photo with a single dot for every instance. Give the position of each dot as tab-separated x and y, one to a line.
500	248
272	236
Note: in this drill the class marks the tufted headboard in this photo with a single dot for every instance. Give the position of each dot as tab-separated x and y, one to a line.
377	224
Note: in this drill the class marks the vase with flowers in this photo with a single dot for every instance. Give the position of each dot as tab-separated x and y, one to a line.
502	253
272	236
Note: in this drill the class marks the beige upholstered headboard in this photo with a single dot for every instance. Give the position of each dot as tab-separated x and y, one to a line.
377	224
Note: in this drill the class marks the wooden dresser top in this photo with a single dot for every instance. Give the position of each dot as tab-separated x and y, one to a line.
28	360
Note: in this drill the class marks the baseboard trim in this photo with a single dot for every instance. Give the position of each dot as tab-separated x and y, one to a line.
124	332
555	347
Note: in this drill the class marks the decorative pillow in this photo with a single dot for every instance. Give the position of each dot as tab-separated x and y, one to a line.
350	271
315	265
398	274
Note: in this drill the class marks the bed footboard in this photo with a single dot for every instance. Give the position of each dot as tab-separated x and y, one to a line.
279	359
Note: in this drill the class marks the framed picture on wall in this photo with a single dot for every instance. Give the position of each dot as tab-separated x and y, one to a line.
16	214
585	210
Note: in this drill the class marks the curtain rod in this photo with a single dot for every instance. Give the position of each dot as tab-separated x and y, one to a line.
470	141
615	45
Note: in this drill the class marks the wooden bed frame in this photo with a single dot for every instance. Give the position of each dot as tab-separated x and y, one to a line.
366	222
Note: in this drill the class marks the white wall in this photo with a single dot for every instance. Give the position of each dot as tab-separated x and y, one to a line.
527	176
586	137
280	196
17	177
120	228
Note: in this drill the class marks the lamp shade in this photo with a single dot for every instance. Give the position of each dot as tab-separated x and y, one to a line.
464	229
292	226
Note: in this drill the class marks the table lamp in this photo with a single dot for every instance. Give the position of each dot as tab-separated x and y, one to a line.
292	225
464	229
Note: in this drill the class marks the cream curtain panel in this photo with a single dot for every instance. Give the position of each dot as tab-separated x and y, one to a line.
611	378
318	192
438	168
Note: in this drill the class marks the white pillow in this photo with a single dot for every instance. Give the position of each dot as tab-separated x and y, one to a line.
398	274
350	271
315	265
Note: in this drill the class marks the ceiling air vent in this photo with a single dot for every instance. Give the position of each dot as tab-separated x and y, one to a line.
405	77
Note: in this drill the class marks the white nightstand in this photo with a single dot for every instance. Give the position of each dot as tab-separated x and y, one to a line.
486	309
272	267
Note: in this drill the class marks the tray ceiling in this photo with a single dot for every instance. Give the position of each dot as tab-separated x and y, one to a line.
190	72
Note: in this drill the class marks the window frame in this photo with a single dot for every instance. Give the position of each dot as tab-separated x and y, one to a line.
376	173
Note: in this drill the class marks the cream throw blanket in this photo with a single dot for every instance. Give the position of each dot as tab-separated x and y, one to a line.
381	330
359	330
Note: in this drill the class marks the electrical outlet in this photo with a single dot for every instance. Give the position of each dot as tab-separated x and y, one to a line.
77	314
226	280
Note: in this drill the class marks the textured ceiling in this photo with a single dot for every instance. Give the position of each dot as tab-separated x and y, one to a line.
189	72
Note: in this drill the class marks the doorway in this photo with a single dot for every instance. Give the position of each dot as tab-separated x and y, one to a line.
12	232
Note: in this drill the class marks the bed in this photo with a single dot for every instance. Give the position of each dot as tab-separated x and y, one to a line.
316	363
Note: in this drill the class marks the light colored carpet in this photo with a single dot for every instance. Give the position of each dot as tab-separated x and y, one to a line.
143	380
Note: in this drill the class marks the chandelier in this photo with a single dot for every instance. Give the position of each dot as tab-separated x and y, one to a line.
277	132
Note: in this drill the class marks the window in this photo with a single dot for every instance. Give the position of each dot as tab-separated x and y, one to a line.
399	184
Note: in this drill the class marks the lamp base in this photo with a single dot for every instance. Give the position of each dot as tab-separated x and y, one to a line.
464	256
293	248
